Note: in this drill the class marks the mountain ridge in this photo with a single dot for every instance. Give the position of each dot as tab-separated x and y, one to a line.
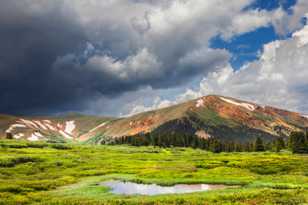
211	116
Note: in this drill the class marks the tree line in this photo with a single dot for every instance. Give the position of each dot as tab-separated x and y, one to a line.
297	142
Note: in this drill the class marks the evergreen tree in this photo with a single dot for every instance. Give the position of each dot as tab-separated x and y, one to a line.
298	142
215	146
279	144
248	147
259	146
9	136
211	144
238	147
269	146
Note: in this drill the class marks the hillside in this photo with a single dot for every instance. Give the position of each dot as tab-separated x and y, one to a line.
206	117
56	128
212	116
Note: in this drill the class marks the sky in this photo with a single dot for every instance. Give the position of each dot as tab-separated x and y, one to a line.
122	57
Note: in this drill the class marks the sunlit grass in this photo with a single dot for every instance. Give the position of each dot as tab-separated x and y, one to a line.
41	173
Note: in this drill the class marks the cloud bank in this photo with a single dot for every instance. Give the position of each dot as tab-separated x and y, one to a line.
64	55
278	78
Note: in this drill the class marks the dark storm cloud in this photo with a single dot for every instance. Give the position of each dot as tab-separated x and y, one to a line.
30	43
59	55
103	75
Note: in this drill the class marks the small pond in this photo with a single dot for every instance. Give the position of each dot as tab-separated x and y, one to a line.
130	188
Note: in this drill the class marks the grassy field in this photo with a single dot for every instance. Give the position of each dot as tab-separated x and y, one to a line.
37	173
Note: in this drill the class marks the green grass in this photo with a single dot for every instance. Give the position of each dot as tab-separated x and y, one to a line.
211	117
42	173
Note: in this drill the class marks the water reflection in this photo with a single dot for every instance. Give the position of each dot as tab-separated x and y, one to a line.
130	188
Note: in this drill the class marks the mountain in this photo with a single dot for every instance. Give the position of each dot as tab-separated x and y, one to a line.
212	116
56	128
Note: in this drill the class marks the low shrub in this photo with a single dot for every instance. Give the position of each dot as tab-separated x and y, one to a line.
60	146
37	145
14	145
11	162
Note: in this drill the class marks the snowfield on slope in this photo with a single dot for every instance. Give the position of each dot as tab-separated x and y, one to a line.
41	125
64	134
35	136
200	103
12	127
99	126
18	136
70	127
244	105
28	123
66	129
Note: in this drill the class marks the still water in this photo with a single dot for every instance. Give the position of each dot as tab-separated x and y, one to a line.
130	188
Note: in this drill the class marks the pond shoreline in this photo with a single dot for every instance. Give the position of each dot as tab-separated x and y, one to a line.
131	188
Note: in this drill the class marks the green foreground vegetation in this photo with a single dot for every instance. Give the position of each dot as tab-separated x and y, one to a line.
41	173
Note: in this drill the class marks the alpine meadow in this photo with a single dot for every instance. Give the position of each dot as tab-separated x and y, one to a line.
165	102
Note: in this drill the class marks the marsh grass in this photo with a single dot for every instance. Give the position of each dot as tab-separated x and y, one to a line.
43	173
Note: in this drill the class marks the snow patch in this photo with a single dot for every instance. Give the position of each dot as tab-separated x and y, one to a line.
64	134
41	125
38	134
12	127
59	126
18	136
69	127
51	127
244	105
33	137
200	103
99	126
202	134
28	123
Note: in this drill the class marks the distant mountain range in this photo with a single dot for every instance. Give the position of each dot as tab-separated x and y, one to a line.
211	116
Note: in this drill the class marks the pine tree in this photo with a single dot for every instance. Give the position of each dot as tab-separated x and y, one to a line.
298	142
269	146
238	147
9	136
259	146
279	144
215	146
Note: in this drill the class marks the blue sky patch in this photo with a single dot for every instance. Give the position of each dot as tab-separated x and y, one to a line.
246	47
272	4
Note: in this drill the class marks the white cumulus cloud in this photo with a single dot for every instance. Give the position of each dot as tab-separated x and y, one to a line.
278	78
